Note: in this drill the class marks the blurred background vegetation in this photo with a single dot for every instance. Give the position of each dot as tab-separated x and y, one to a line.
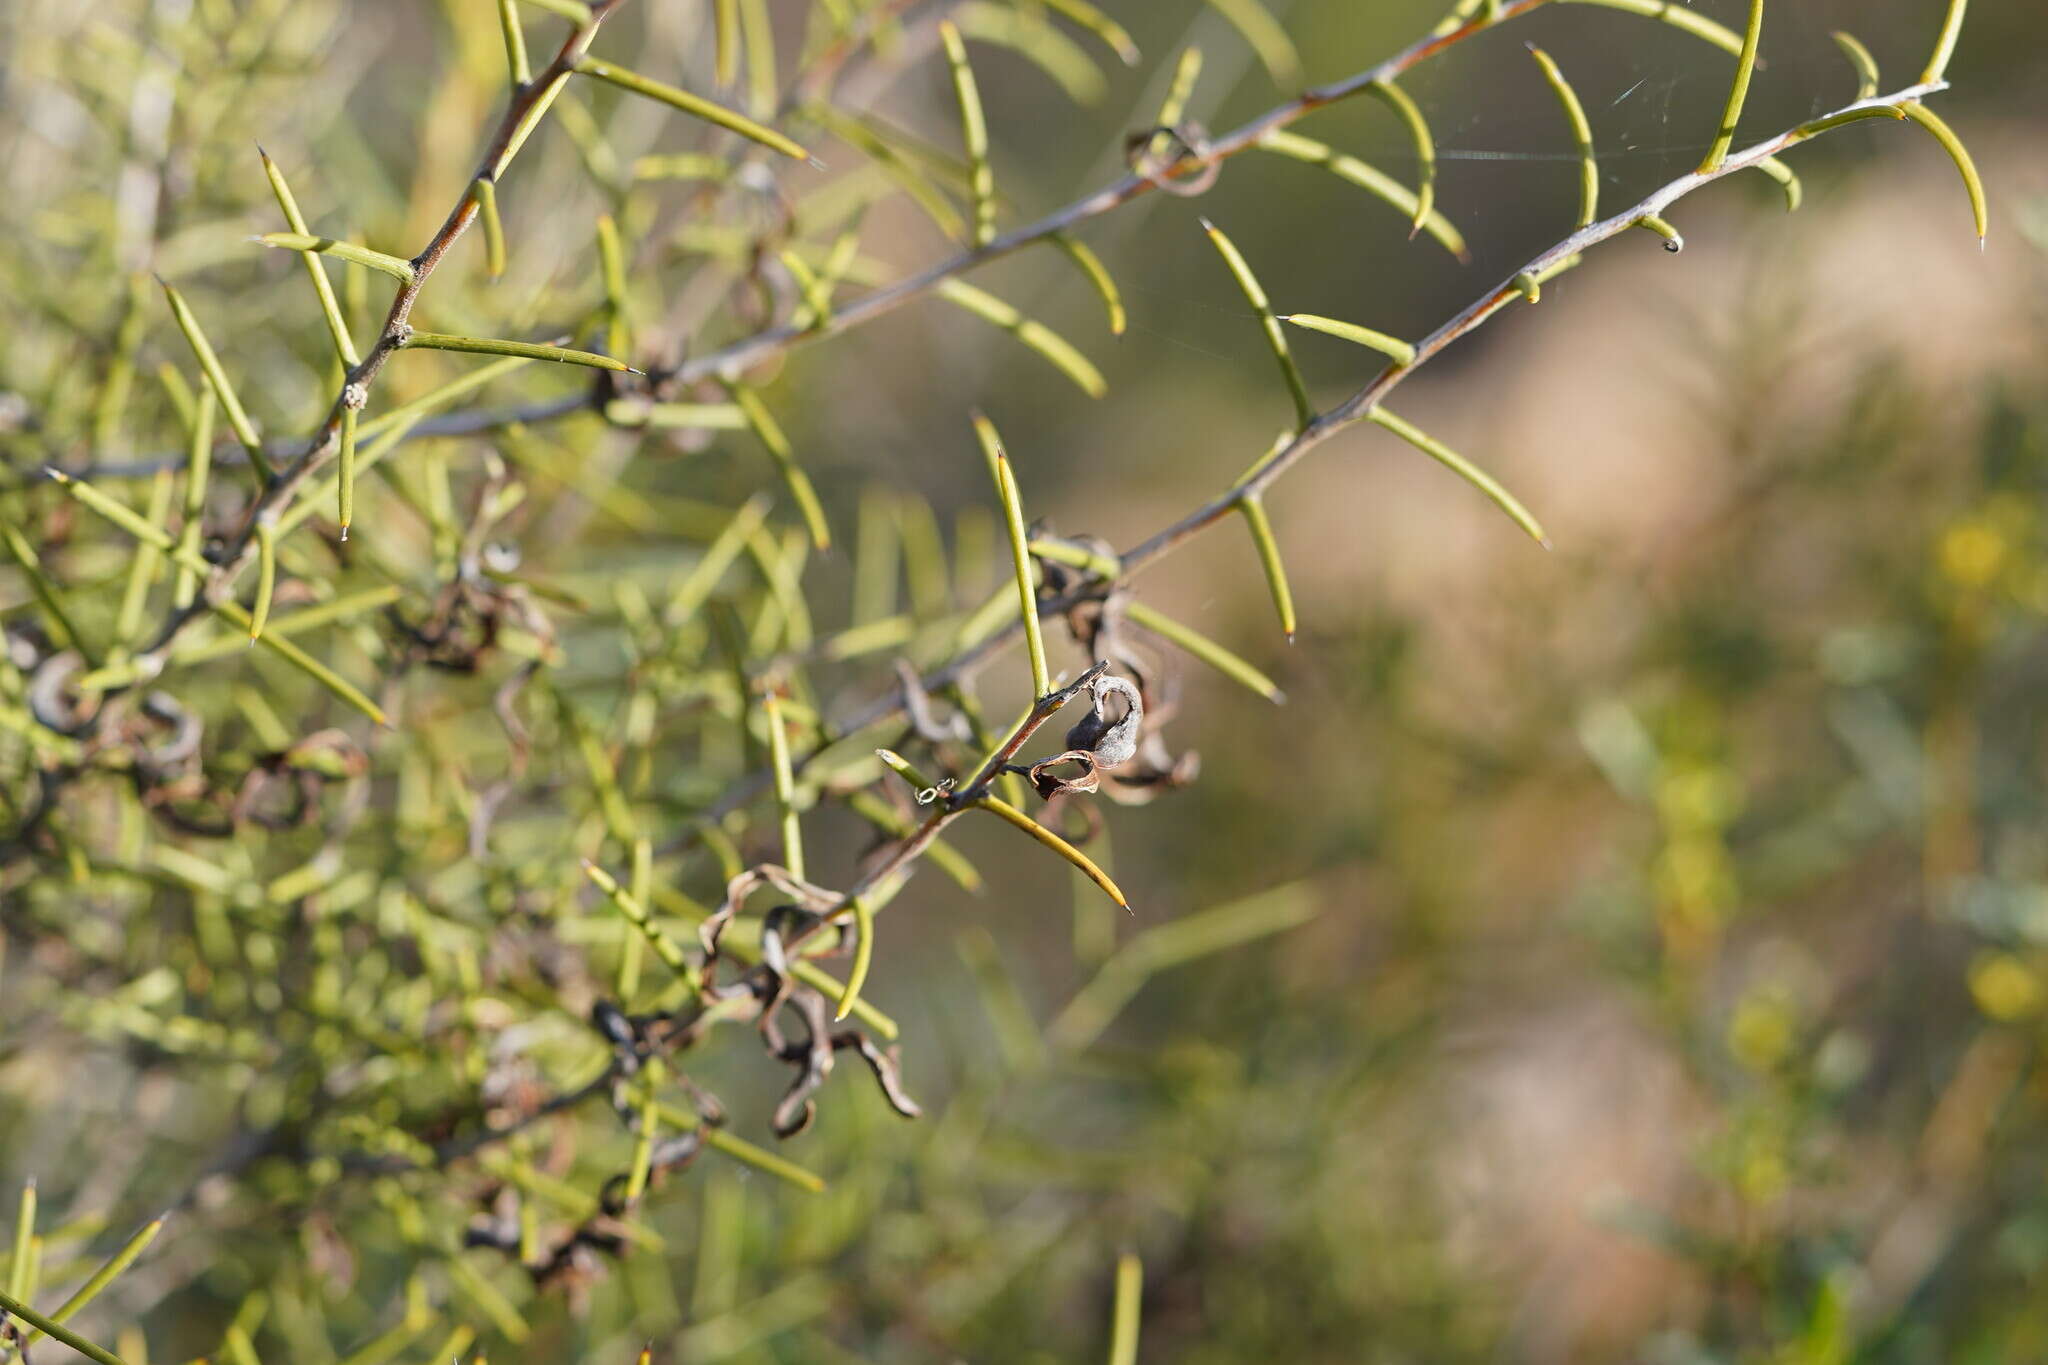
1635	952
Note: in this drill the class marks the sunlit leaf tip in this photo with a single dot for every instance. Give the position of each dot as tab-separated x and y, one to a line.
1973	183
696	106
530	350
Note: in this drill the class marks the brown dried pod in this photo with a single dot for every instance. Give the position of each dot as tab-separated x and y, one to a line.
1111	740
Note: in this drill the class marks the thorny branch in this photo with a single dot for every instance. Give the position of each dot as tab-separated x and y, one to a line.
763	992
1353	409
1195	159
527	101
1198	158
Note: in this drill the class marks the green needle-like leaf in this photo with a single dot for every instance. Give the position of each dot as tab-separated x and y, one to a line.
1462	14
1255	295
24	1240
121	515
1174	107
345	470
1674	240
643	1151
742	1151
694	105
112	400
330	308
394	266
209	365
973	133
903	768
1207	650
769	433
99	1279
1174	944
905	169
817	309
266	576
188	652
1256	24
1679	16
725	62
785	785
1464	469
1055	348
441	341
1005	479
516	61
863	955
1058	845
1745	67
1582	134
1368	178
1098	275
46	592
1125	1310
618	340
1101	25
198	466
682	166
1787	179
763	78
1953	145
532	118
1945	46
1254	509
1399	351
687	601
1860	58
626	412
112	508
1031	36
1847	116
629	905
1425	148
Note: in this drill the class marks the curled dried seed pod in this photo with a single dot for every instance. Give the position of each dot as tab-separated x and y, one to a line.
744	884
1050	784
812	1058
484	1231
780	925
676	1153
329	753
1109	742
254	801
887	1067
1179	142
617	1030
917	704
709	1107
797	1110
160	760
55	705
